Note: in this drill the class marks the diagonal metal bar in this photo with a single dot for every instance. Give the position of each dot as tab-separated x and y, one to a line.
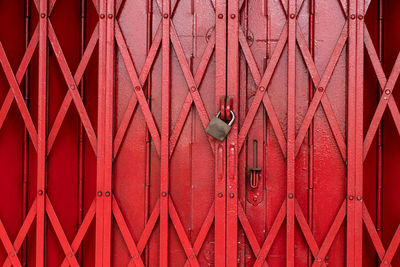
138	87
126	235
19	76
23	231
148	229
184	112
248	231
180	230
19	99
394	245
205	228
82	230
68	97
387	86
262	255
72	85
127	116
262	88
8	246
55	222
193	87
319	95
332	233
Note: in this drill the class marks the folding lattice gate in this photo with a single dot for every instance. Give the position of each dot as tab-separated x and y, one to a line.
104	157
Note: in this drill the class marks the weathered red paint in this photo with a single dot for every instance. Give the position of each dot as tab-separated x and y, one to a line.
105	160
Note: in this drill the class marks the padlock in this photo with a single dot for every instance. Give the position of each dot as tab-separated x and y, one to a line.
219	129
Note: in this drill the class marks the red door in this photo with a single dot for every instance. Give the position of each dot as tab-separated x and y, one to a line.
105	157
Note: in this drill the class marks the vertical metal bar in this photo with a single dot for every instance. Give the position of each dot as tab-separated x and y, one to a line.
147	207
311	130
291	133
220	147
42	115
165	117
232	157
81	131
359	133
108	131
25	148
101	134
379	171
351	134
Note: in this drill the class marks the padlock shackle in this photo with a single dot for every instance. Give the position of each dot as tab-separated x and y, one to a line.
233	118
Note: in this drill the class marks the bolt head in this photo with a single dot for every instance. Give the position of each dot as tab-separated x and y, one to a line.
193	89
360	17
231	195
107	194
40	192
110	16
292	16
220	16
233	16
290	195
43	15
99	193
262	88
164	194
359	197
166	16
321	89
137	88
220	195
102	16
387	91
353	16
351	197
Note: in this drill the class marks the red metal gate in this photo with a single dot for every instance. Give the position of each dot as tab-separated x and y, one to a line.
105	158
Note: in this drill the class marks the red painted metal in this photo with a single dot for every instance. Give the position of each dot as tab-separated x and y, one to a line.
105	157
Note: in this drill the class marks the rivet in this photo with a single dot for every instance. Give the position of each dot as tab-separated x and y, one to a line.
319	259
351	197
262	88
386	263
353	16
102	16
99	193
40	192
220	16
110	16
321	89
255	198
193	89
233	16
166	16
387	91
12	254
231	195
359	197
292	16
107	193
72	87
136	256
43	15
290	195
220	195
70	255
137	88
192	257
164	194
360	17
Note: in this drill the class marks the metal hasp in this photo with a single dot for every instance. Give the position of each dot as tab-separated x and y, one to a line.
254	171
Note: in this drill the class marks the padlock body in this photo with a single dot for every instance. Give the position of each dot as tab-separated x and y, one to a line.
218	129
